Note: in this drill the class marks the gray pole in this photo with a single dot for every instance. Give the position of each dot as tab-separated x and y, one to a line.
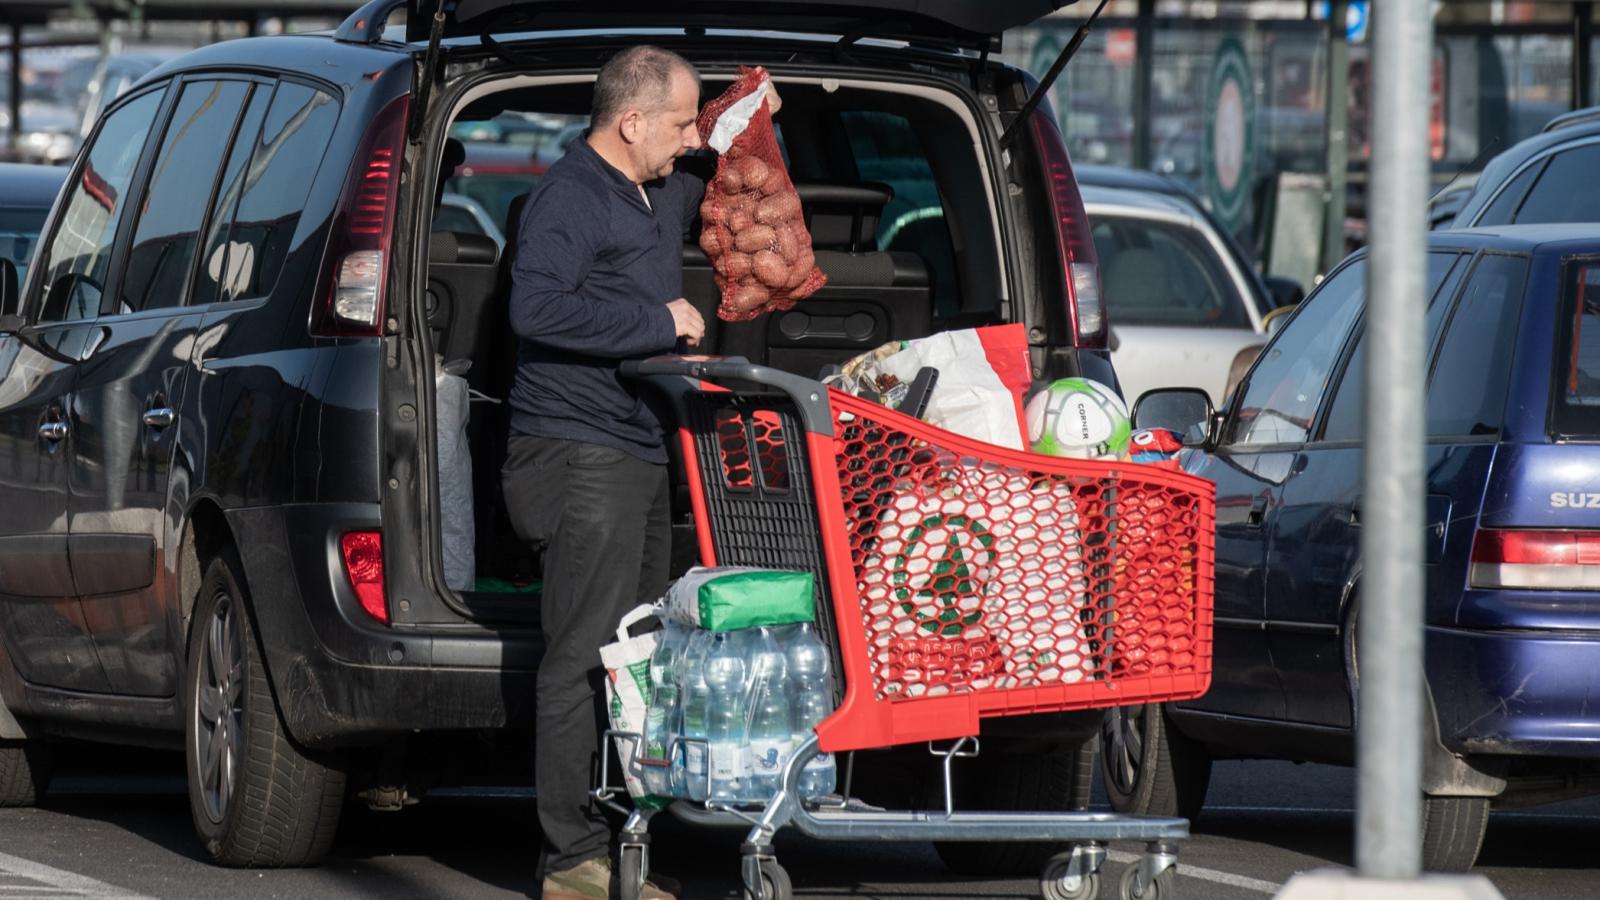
1144	62
1582	57
14	101
1338	94
1389	637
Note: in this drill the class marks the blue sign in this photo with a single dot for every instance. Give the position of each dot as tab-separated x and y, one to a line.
1355	23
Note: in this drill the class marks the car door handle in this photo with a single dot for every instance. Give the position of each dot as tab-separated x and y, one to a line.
53	431
1258	511
160	417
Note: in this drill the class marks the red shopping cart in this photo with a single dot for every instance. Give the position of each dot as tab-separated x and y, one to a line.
958	581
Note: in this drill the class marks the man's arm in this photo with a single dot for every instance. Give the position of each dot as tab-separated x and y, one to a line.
562	231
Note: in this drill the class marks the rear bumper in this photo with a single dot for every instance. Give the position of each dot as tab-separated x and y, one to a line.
1519	693
340	676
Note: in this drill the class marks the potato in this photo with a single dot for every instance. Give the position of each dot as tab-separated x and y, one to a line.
750	296
734	265
740	220
770	268
780	207
756	237
753	172
776	181
790	241
801	270
713	240
712	213
729	178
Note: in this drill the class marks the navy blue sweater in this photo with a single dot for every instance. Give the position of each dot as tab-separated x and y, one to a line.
593	272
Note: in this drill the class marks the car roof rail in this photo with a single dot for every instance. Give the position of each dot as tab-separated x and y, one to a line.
365	25
1576	117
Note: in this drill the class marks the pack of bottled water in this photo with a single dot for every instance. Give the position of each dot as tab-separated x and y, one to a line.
728	708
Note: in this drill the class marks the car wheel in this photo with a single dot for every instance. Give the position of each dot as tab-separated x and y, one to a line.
257	799
1053	780
24	772
1150	768
1452	832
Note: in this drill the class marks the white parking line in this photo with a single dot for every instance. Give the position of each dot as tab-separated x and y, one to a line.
1214	876
49	882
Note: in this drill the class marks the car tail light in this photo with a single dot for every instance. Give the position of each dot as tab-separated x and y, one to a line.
363	565
1080	265
1536	560
358	250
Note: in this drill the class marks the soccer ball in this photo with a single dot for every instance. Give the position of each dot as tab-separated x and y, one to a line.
1080	418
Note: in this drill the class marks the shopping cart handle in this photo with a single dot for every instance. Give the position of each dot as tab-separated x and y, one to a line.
810	397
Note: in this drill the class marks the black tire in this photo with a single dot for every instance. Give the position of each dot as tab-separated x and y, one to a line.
1054	884
631	873
775	884
1150	768
1452	832
1165	887
24	773
1048	781
257	799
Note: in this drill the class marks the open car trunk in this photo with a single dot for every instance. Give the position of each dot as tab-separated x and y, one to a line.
900	192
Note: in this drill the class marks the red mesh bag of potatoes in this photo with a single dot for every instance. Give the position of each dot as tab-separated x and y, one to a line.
751	225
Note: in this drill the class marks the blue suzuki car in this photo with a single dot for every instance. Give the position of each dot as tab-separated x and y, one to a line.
1513	542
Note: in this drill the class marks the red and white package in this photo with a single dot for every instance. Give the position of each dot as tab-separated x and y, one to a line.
751	226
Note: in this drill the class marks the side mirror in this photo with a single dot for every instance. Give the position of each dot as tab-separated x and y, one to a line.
10	298
1285	291
1187	411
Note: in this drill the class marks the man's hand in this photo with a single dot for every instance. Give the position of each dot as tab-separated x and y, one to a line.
687	320
774	103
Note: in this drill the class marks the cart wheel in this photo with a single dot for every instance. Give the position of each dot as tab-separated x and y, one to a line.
774	883
632	870
1165	887
1056	884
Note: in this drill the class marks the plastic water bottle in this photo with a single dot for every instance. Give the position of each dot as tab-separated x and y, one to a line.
689	764
811	700
725	672
770	735
661	716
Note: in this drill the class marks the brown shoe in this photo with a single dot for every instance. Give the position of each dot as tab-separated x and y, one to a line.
592	880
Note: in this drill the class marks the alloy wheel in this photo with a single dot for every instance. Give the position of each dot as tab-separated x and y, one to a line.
219	708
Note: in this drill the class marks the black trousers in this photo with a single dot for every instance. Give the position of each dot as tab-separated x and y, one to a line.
603	519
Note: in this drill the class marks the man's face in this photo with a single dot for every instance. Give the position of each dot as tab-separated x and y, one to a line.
668	133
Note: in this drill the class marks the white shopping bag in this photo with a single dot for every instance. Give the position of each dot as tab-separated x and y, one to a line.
627	663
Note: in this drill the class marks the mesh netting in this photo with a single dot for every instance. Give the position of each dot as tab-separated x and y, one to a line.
976	575
752	228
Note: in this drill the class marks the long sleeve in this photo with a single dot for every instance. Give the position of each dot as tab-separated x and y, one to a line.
562	233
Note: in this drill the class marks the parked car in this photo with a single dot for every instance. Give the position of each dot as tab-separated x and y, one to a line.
1183	311
1543	179
493	175
218	406
462	214
1512	420
26	193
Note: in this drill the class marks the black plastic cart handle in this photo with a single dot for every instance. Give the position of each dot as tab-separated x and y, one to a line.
810	397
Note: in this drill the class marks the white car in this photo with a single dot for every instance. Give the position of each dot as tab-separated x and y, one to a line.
1184	311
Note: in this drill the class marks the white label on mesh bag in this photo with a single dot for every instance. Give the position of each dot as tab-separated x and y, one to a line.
736	118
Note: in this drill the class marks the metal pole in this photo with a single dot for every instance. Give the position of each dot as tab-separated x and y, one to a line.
1143	72
1582	54
1389	738
1338	155
15	98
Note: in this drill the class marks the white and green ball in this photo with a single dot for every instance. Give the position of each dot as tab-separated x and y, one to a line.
1080	418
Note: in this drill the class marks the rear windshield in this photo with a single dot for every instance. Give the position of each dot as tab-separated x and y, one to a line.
1576	411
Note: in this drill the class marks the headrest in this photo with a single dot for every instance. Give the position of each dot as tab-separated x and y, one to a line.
844	216
462	247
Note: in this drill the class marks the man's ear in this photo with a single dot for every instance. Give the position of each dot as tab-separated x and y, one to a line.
630	125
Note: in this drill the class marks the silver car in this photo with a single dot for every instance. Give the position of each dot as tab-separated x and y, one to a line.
1183	310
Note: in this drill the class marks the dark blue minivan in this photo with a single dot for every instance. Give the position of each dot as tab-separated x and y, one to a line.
1513	543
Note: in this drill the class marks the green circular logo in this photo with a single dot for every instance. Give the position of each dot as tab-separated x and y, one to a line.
1229	144
954	547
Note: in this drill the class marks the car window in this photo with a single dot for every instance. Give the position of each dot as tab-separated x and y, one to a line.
1467	389
223	268
1505	204
178	193
1563	191
454	218
283	164
79	253
1576	411
1346	412
1283	391
19	235
1159	273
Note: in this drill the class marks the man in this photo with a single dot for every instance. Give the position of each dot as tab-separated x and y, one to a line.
598	278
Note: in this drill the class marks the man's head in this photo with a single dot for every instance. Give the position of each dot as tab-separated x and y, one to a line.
645	103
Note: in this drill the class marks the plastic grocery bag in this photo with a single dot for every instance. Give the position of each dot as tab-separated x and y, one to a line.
983	375
752	228
627	663
458	535
728	598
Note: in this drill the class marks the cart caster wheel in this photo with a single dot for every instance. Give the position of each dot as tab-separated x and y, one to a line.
774	883
1057	884
1165	887
633	867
